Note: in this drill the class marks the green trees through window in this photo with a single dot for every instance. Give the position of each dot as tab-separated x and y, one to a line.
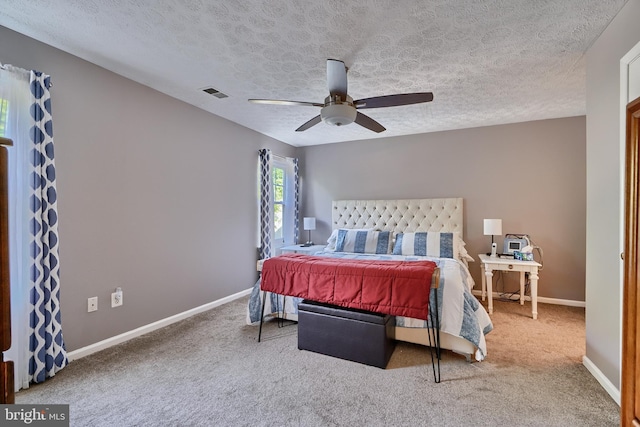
4	112
278	202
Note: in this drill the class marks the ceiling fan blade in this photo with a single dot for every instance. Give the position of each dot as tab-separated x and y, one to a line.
282	102
337	78
317	119
369	123
394	100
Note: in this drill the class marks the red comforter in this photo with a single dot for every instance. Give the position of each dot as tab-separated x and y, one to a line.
398	288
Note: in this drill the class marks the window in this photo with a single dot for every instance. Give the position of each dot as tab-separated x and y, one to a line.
283	202
278	203
4	113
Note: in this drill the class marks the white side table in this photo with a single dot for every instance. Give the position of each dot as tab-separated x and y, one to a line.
294	249
301	249
489	264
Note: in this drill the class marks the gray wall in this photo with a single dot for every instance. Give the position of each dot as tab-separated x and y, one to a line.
531	175
158	197
155	196
605	192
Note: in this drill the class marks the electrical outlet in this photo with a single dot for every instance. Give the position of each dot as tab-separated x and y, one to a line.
116	298
92	304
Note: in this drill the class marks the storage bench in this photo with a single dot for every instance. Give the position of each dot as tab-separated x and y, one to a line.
356	335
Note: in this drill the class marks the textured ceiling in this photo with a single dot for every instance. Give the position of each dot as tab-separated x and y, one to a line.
486	62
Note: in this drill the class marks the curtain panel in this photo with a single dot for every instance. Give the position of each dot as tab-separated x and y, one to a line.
37	344
292	201
48	353
266	208
296	200
274	302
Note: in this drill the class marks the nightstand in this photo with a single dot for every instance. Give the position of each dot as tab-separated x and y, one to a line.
489	264
300	249
294	249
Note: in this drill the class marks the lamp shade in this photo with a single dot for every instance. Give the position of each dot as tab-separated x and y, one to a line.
309	223
492	227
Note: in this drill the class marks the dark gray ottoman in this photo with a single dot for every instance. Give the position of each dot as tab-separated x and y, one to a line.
356	335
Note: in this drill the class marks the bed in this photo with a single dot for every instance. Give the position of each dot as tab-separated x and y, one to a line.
411	224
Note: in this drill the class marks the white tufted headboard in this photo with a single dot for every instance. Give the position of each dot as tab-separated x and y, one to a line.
399	215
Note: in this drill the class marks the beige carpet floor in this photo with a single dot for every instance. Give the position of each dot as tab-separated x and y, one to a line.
209	370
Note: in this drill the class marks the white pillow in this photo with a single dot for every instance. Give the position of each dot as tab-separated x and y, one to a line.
464	255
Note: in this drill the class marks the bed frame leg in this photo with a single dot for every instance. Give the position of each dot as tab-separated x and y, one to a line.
264	299
281	319
436	337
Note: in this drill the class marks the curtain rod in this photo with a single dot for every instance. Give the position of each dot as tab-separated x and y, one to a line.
8	67
278	156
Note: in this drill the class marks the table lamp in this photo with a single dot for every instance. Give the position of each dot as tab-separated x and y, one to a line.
309	223
492	227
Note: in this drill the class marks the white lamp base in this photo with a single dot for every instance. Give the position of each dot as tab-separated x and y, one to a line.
309	242
494	250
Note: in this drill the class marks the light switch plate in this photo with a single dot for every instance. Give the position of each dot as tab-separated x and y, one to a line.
92	304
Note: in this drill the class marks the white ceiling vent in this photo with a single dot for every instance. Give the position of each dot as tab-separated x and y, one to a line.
215	92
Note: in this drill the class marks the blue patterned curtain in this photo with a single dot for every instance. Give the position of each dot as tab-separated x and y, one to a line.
266	210
46	345
296	208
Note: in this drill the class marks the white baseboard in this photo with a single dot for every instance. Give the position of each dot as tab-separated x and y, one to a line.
118	339
568	302
604	381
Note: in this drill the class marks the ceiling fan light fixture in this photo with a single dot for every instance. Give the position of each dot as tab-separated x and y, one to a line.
338	114
339	109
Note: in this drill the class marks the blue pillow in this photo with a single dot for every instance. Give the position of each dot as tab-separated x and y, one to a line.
433	244
363	242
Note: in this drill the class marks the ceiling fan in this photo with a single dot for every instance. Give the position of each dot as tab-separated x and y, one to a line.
339	109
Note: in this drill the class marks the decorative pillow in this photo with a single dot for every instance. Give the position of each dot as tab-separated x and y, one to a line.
333	239
464	255
433	244
363	242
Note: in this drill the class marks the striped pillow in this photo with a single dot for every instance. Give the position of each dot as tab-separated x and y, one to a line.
363	242
433	244
333	239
